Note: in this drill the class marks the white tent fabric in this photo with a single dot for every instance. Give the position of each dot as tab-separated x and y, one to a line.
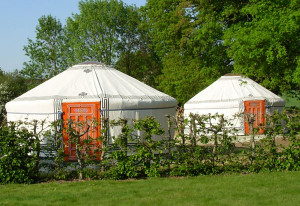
227	95
92	82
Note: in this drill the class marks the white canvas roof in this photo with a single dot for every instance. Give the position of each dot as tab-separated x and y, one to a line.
92	82
227	95
227	91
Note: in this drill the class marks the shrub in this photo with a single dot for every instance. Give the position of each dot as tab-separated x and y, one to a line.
143	158
142	149
18	161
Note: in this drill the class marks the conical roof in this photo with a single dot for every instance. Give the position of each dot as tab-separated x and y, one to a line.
90	80
235	88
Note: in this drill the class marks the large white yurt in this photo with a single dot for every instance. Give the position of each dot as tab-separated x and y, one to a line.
234	94
91	90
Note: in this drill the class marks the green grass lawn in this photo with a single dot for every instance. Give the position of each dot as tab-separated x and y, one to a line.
278	188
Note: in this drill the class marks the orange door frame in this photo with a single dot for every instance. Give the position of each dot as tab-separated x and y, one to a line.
84	112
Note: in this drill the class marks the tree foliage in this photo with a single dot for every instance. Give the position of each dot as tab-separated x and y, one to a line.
11	85
265	44
111	32
198	41
47	52
187	37
98	31
138	58
177	46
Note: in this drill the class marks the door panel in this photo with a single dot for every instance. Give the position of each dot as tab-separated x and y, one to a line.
257	109
81	114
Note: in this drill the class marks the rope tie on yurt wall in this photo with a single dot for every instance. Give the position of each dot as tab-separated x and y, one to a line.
104	111
58	109
58	115
104	115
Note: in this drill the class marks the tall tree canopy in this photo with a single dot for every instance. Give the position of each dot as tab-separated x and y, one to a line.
188	38
47	52
198	41
99	31
177	46
110	31
138	58
265	45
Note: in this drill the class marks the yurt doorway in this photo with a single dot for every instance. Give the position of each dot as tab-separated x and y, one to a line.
256	109
82	114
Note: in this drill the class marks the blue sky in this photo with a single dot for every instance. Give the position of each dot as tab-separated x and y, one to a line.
18	19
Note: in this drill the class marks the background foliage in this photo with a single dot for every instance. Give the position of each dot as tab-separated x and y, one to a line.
47	52
11	85
178	47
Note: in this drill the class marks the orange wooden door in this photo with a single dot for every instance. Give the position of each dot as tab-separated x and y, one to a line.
255	108
82	113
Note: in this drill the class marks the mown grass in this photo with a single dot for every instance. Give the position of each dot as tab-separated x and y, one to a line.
278	188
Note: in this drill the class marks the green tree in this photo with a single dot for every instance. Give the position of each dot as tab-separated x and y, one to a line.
47	52
11	85
96	32
110	31
137	57
265	44
187	37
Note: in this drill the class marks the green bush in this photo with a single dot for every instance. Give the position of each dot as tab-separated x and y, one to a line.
290	156
143	158
18	159
143	149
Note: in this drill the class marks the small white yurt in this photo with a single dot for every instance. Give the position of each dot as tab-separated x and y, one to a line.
234	94
91	90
